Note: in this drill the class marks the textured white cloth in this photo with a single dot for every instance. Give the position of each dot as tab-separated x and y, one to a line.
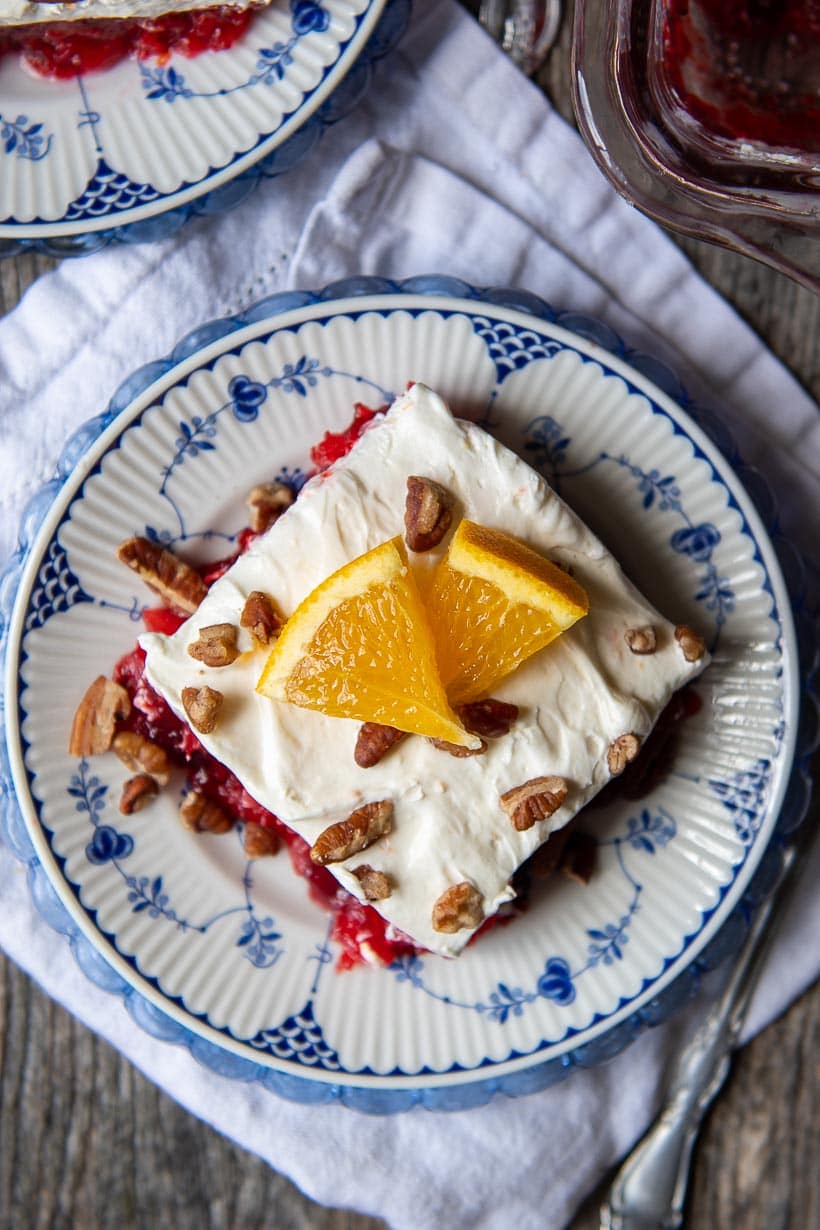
423	178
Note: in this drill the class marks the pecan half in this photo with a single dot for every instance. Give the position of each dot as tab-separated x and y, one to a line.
692	646
641	640
216	645
202	706
267	502
376	885
580	858
622	751
428	513
178	585
361	828
137	792
260	617
200	815
140	755
489	719
373	742
457	750
459	906
92	729
534	800
259	841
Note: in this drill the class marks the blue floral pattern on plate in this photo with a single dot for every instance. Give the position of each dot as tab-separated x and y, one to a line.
168	84
646	835
258	938
547	444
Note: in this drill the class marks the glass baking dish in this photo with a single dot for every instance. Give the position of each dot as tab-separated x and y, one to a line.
705	114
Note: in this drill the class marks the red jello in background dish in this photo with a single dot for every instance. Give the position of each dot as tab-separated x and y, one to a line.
705	114
60	50
746	69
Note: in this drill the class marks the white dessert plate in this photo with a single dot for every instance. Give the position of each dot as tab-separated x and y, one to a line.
131	152
233	958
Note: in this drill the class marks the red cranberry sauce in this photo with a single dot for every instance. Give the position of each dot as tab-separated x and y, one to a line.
336	444
747	68
64	49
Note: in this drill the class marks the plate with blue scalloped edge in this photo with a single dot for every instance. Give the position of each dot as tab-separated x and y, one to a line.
132	152
231	956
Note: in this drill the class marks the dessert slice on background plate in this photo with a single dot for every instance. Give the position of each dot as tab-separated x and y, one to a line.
458	827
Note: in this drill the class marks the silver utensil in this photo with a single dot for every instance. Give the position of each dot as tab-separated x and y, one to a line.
650	1188
525	29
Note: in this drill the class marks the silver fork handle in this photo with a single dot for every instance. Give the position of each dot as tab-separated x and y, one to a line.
649	1190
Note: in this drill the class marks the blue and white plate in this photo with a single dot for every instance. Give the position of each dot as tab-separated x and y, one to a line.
232	957
131	153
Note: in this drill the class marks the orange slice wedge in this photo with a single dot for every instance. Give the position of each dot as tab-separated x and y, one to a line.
492	603
359	646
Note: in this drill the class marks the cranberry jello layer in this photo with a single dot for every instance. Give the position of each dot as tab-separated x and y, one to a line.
457	827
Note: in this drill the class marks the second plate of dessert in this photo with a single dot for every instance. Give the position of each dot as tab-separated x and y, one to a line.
131	151
234	956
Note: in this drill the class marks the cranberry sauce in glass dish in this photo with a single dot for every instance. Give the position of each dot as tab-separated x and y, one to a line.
705	114
737	73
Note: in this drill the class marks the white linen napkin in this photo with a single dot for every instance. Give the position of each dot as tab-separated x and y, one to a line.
420	179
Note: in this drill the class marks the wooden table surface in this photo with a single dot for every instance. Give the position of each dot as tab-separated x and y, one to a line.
86	1143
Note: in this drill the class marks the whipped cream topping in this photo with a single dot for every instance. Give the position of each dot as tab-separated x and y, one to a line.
575	697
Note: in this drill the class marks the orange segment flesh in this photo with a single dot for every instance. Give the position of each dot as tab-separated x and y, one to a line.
492	603
359	646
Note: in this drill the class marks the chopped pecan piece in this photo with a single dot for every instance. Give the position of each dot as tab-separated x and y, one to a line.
535	800
137	792
641	640
200	815
92	729
267	502
580	858
490	719
428	513
459	751
622	751
692	646
260	617
140	755
376	885
216	645
202	706
259	841
373	742
180	586
361	828
459	906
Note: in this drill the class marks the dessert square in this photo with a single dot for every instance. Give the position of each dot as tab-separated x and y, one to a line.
585	702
